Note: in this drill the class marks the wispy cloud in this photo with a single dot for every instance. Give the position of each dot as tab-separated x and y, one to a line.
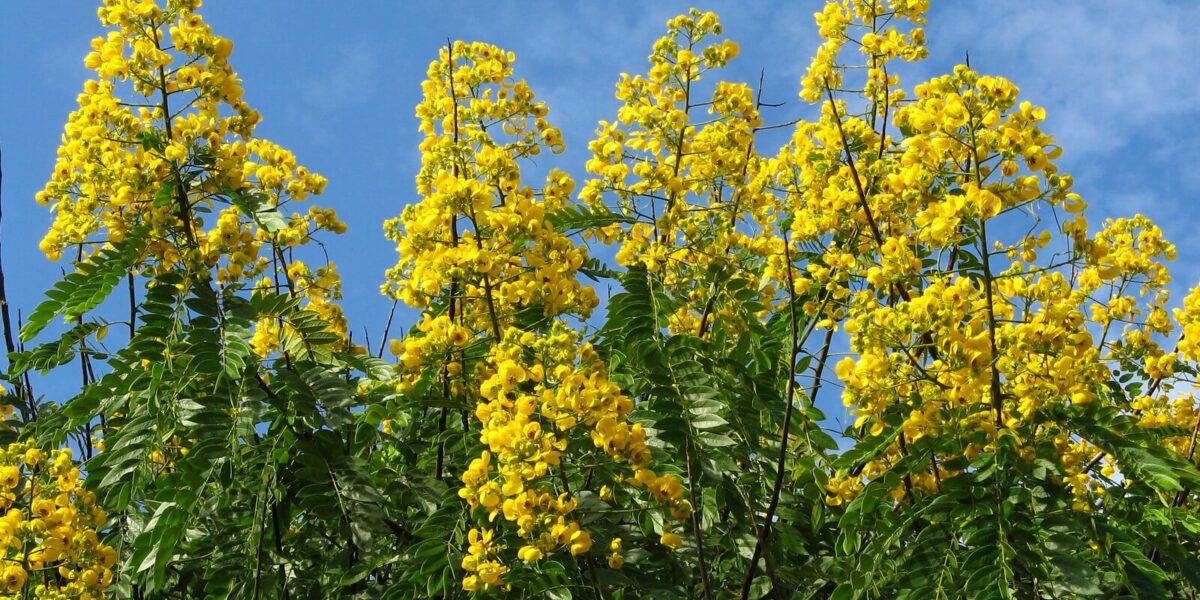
1112	73
346	78
1122	91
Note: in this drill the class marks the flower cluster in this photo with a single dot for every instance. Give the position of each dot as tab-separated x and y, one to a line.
536	391
477	225
947	340
180	146
693	183
480	254
321	288
881	44
528	416
49	529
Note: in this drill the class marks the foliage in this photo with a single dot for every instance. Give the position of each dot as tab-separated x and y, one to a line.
1023	425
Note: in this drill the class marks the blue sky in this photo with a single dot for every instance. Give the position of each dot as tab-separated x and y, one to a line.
336	83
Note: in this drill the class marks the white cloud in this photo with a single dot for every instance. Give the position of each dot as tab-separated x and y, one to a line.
1121	85
1109	72
351	74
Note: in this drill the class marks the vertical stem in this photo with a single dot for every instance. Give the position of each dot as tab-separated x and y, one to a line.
184	208
283	587
789	408
858	187
706	312
133	309
985	260
87	377
487	281
697	515
595	580
1181	495
997	397
259	554
441	451
587	559
283	268
25	392
387	328
26	380
687	108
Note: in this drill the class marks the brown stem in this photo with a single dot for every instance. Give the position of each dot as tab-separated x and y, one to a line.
487	282
23	391
284	594
453	300
184	208
781	460
133	307
687	106
259	558
937	474
984	258
908	484
697	515
1181	495
387	328
737	198
858	187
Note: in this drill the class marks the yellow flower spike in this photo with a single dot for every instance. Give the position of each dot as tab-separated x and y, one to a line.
533	389
59	536
121	165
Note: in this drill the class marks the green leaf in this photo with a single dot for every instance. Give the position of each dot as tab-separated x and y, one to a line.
258	209
1138	560
578	216
715	440
83	290
1076	575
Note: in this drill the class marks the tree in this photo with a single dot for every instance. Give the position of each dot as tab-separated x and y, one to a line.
1024	426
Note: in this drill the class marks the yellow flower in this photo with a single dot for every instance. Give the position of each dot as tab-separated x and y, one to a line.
13	577
615	561
9	476
530	554
581	543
